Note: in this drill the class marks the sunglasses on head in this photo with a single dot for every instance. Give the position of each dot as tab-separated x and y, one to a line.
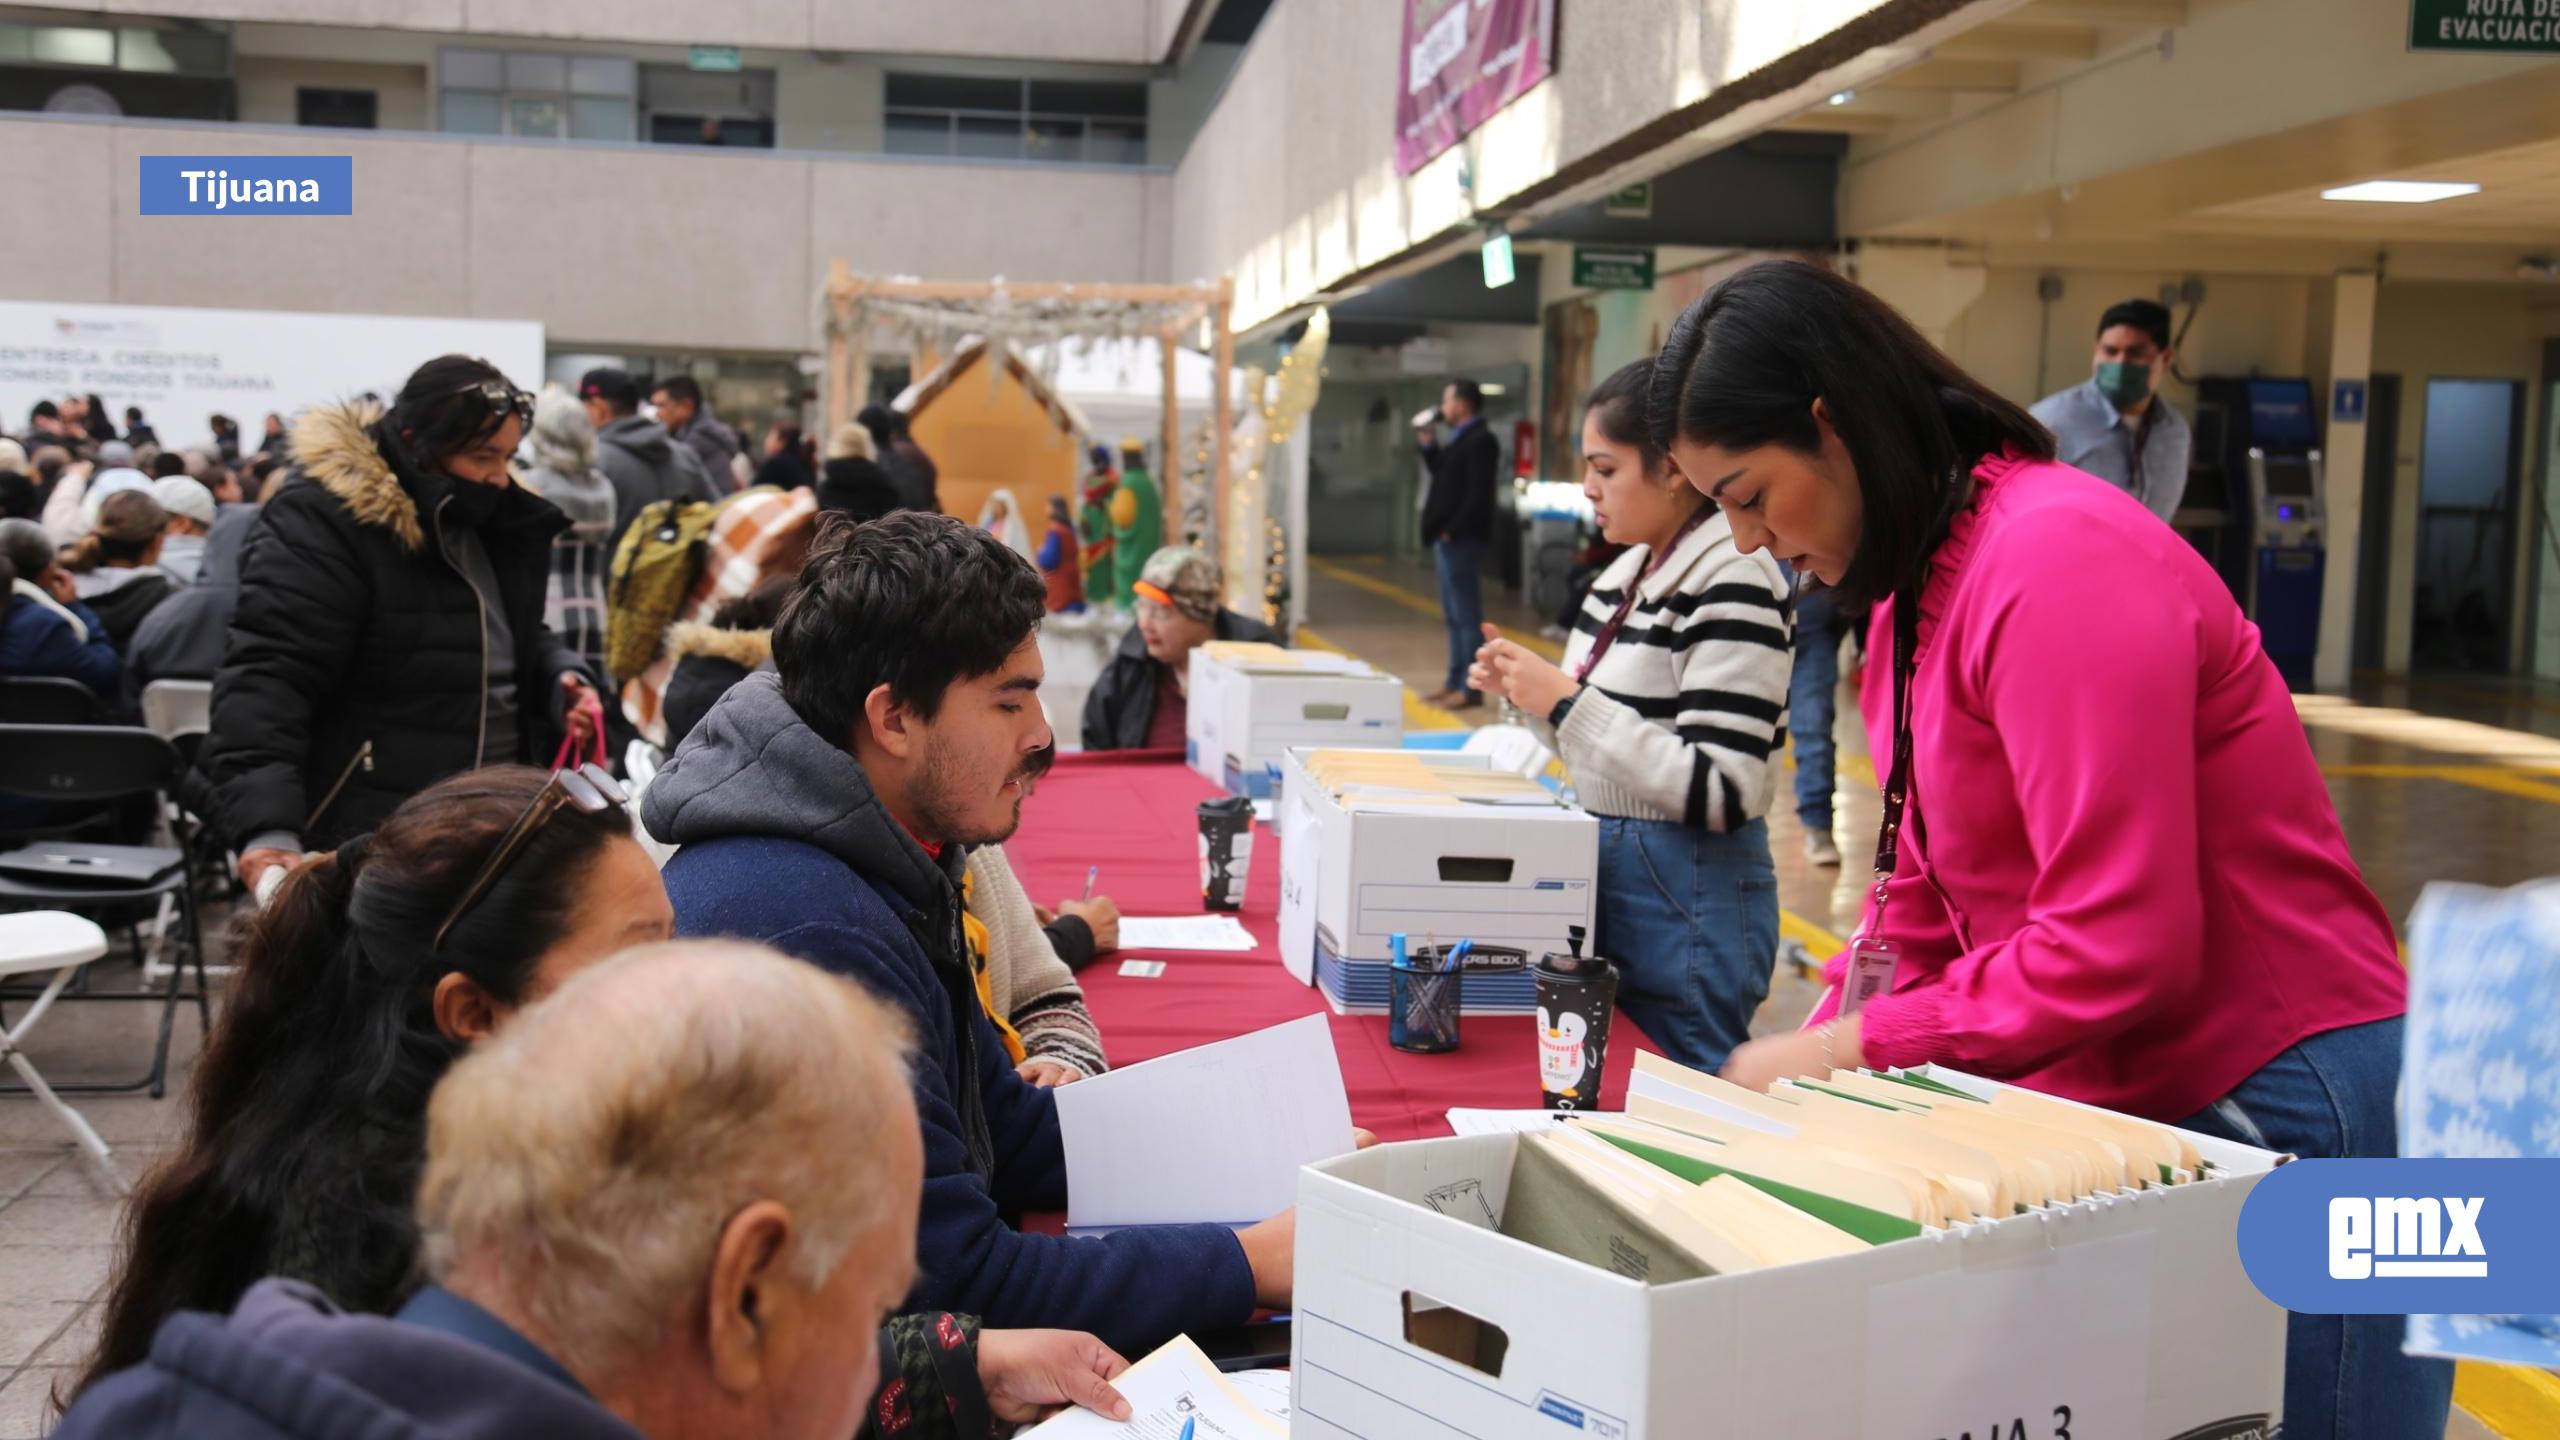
588	789
501	398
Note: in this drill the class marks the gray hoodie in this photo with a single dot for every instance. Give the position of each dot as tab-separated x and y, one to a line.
183	636
646	465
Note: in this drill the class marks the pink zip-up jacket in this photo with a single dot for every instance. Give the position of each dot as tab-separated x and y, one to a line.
2127	885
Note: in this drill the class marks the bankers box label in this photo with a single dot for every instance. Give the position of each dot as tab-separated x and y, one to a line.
248	184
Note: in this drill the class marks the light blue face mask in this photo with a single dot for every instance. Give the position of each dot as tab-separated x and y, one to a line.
2124	383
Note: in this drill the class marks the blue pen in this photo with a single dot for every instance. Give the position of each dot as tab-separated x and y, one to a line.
1091	872
1189	1424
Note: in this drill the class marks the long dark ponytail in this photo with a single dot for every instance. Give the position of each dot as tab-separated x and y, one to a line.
1745	362
309	1106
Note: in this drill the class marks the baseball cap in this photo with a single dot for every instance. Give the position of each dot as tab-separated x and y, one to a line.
181	496
614	387
1184	580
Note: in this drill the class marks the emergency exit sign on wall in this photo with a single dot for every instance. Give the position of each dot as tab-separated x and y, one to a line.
1613	267
2507	27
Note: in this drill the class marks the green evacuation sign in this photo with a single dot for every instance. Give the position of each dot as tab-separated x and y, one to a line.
2506	27
1613	267
716	58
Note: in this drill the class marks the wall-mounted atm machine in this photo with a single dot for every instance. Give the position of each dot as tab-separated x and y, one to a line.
2270	444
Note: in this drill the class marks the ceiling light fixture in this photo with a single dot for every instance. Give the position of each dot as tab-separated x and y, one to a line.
2401	192
1843	97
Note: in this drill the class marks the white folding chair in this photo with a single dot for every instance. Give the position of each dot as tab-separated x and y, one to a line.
55	940
172	708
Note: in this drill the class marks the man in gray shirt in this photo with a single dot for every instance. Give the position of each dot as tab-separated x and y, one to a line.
2118	426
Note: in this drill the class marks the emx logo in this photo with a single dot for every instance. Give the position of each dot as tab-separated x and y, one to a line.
2406	1237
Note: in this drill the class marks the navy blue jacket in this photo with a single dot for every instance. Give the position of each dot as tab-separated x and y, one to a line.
286	1365
35	640
785	842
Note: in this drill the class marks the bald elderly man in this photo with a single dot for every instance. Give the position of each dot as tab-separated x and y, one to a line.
673	1200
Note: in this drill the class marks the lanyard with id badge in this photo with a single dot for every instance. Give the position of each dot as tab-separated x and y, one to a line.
1872	958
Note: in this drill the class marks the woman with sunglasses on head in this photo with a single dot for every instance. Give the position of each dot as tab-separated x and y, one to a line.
389	630
2109	869
369	973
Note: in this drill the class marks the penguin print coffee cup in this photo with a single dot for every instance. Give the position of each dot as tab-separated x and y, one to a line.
1226	851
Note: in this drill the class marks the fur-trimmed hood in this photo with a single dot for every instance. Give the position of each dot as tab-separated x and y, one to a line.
331	446
747	649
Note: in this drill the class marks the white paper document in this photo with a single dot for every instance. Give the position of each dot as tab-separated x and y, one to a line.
1499	1122
1174	1384
1184	932
1212	1135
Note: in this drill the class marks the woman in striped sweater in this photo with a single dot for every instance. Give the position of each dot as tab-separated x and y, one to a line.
1671	699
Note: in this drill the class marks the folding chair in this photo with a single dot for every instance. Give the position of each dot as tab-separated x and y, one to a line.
99	765
46	700
32	941
181	712
174	709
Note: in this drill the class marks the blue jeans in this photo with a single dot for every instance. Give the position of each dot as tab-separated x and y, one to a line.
1690	918
1811	693
1461	567
2331	1097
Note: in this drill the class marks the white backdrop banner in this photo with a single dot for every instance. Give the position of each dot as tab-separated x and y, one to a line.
184	365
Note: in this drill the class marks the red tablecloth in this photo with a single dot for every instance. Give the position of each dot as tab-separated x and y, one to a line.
1136	815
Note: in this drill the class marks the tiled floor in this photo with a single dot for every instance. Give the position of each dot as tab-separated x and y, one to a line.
2434	781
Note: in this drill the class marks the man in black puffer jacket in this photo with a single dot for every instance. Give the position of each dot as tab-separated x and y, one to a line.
389	629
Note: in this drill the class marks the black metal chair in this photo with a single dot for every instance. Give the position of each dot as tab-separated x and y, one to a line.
46	700
101	766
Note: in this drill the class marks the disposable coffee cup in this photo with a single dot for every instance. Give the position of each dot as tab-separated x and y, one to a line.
1226	851
1575	995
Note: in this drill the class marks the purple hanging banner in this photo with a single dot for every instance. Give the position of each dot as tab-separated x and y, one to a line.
1464	60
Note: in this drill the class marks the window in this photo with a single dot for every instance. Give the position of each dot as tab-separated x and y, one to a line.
536	94
336	109
683	106
1091	122
164	47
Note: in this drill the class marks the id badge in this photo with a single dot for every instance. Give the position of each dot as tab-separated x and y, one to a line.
1871	966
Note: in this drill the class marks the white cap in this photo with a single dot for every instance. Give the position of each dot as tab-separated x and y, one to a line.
181	496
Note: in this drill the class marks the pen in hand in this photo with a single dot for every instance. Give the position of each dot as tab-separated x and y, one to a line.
1091	873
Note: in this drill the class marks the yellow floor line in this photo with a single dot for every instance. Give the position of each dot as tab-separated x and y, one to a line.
2536	784
1818	942
1424	604
2510	1400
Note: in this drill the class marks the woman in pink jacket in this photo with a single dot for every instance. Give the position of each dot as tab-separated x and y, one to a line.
2118	876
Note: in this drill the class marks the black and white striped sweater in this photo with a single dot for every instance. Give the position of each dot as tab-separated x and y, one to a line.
1679	719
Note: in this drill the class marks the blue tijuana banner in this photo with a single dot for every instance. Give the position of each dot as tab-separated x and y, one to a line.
1463	60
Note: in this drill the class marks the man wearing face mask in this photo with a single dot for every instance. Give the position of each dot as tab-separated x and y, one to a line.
2118	426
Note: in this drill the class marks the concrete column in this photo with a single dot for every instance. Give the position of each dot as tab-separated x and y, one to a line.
1922	283
2350	358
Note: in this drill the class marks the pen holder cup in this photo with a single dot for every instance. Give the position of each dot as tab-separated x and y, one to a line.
1423	1015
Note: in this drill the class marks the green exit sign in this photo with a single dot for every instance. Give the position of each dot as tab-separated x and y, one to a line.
1613	267
719	58
2504	27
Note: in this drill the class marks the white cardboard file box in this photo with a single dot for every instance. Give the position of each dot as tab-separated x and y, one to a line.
1248	704
1360	867
2125	1317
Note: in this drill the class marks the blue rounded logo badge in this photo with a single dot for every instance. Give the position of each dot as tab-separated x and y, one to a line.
2406	1237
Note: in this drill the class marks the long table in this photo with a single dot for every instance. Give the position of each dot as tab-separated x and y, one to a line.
1136	815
